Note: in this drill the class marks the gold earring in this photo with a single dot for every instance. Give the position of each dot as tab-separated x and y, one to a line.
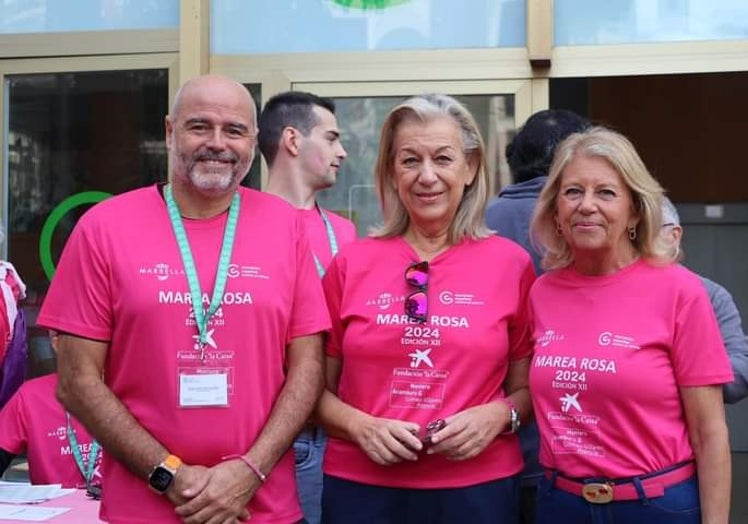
632	232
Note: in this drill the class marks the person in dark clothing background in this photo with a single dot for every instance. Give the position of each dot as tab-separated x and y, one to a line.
529	156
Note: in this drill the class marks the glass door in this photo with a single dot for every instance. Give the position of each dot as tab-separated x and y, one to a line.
75	132
361	109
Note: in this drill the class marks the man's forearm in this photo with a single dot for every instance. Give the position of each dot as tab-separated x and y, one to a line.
731	327
294	405
737	390
84	394
109	421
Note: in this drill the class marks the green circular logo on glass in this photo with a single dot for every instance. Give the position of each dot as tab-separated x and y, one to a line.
369	4
62	209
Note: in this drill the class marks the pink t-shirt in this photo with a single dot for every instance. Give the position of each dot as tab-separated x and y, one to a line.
121	280
34	422
610	354
344	229
396	368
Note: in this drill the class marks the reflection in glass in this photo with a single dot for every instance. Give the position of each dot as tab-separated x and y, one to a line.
360	120
592	22
326	25
47	16
74	132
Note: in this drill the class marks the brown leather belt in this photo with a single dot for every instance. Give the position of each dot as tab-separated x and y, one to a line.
597	491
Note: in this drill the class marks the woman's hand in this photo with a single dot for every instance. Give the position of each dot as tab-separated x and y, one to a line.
468	432
386	441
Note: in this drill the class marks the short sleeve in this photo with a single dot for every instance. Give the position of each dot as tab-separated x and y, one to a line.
309	314
13	425
730	325
332	284
520	330
79	299
698	353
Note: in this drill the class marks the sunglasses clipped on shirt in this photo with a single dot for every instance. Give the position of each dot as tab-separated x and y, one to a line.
417	303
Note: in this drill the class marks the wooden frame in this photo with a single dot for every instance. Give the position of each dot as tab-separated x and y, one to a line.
88	43
194	38
650	59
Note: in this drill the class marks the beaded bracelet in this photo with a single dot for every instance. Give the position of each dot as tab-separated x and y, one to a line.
260	475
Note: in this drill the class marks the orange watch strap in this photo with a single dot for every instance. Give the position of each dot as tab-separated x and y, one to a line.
173	462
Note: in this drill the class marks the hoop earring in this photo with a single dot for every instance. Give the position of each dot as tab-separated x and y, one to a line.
559	231
632	232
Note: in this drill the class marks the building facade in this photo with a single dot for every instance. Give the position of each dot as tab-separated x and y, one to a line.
85	85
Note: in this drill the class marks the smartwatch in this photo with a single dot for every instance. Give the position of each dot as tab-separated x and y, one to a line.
162	475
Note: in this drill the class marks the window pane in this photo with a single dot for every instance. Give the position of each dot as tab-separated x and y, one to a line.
270	26
592	22
69	133
40	16
360	120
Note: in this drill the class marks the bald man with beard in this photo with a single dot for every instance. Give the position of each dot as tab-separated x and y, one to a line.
190	317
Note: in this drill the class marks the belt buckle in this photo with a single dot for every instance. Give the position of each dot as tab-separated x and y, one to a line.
597	492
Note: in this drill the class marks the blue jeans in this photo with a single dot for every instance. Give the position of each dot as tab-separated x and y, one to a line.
309	449
679	505
346	502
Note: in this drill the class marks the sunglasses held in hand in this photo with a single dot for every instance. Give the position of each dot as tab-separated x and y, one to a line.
431	429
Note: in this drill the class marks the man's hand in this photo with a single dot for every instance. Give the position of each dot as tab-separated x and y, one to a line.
221	496
187	479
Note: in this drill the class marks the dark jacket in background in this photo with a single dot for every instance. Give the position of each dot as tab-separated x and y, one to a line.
510	214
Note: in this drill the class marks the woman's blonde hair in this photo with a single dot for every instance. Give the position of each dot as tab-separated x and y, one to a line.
646	194
469	221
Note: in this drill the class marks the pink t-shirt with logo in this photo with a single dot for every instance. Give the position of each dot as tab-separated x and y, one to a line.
344	229
35	423
396	368
610	354
121	280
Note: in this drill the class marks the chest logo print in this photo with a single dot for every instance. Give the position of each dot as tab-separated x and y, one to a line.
208	340
419	357
549	336
569	401
607	338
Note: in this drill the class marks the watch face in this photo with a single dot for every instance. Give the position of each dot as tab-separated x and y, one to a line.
160	479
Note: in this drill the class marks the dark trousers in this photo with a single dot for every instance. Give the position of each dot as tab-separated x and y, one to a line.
495	502
527	503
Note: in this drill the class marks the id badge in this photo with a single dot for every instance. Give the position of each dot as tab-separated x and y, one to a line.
203	388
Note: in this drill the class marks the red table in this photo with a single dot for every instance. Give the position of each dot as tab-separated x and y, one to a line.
83	510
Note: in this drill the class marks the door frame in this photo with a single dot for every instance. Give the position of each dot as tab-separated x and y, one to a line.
24	66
